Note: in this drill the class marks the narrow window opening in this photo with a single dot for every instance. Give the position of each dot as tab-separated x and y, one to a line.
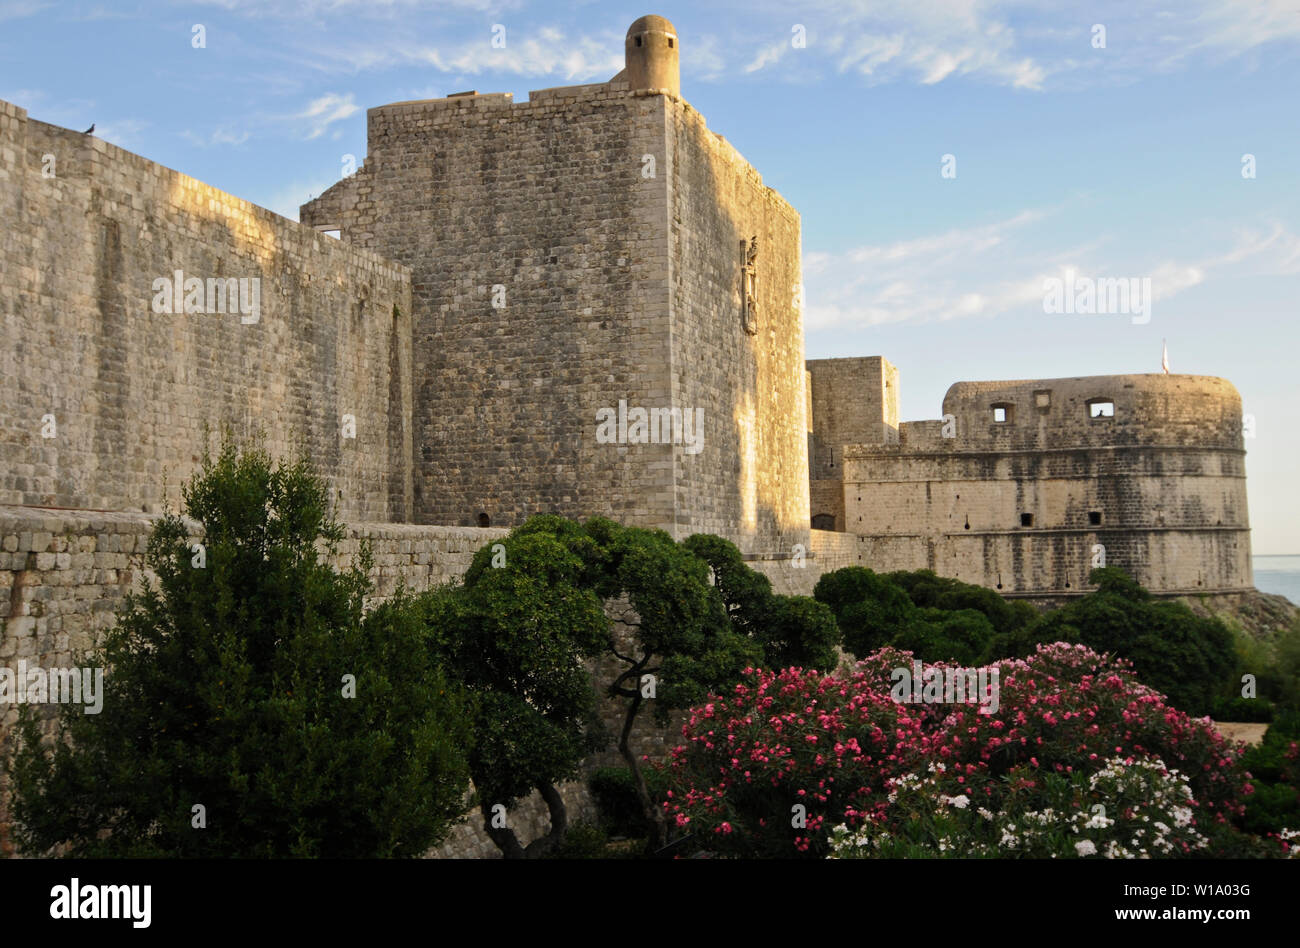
484	520
999	414
638	41
1026	520
1094	517
670	42
1003	412
1101	408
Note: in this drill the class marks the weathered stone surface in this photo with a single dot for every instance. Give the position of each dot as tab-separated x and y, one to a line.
504	272
1023	505
568	253
134	395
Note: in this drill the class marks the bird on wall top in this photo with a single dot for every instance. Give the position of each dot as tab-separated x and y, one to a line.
89	130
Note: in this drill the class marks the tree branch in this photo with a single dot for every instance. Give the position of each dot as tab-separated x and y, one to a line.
544	846
503	836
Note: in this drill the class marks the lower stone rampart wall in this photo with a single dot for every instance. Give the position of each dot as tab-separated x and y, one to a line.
65	573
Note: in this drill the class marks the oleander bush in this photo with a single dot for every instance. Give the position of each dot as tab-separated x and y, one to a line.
1274	767
1130	808
1189	658
839	745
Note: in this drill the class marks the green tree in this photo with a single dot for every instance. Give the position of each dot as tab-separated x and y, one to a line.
679	636
515	634
793	630
869	609
536	604
927	589
249	691
1189	658
958	637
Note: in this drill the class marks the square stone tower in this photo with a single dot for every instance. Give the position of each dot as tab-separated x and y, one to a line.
606	306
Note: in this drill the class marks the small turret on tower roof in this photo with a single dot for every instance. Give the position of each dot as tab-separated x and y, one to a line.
651	56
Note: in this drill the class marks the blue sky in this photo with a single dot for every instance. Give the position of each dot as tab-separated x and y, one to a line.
1122	161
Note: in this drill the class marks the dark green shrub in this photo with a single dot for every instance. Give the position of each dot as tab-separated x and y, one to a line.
1274	766
1189	658
616	799
793	630
583	841
1256	710
869	609
960	637
926	589
1286	669
226	690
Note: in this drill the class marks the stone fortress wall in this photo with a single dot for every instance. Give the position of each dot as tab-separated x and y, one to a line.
619	228
64	575
572	252
505	271
545	201
747	374
1021	482
106	401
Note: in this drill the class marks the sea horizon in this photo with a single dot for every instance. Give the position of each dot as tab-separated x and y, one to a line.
1278	573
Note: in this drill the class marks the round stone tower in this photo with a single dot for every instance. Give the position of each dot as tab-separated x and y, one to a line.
651	49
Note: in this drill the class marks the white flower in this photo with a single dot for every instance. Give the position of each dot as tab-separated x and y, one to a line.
960	802
1084	847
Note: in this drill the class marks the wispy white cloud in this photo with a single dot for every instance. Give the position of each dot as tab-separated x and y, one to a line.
702	59
1235	27
323	112
18	9
768	56
351	8
549	51
921	41
1009	43
1001	267
124	133
1274	251
218	136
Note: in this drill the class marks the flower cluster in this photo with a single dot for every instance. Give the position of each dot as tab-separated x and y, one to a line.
1124	811
761	769
1073	728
